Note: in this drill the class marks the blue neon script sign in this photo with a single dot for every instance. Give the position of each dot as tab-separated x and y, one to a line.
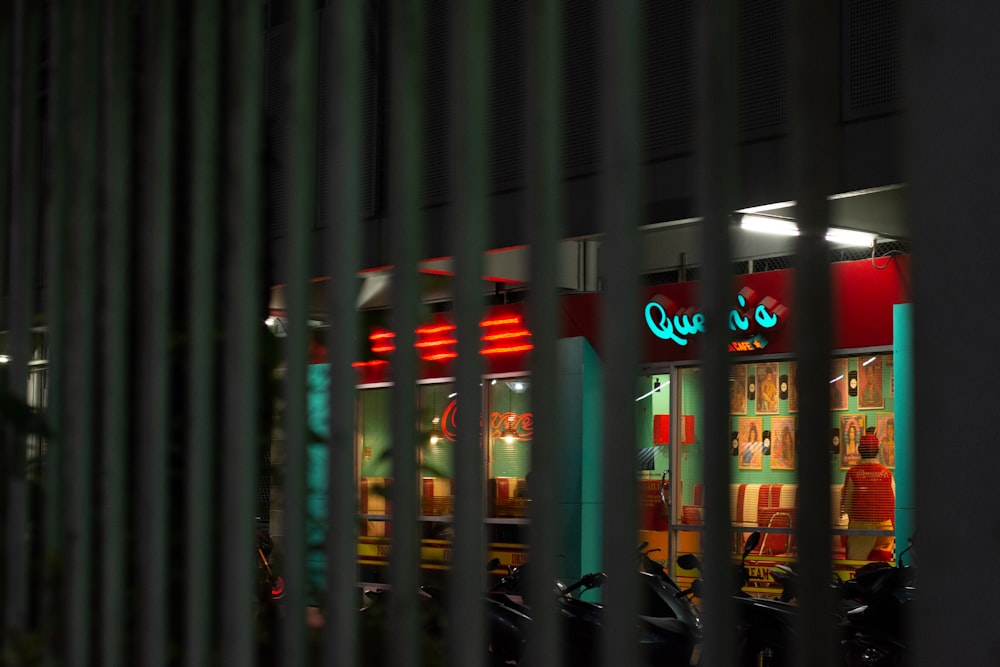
749	317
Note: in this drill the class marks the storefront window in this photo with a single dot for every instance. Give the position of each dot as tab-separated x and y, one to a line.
436	412
509	447
653	459
375	466
506	439
763	407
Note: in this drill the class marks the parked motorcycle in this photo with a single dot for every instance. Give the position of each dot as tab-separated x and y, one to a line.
669	628
875	628
871	615
764	627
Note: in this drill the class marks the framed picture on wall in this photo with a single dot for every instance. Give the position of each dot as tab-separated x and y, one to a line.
793	390
782	443
870	384
838	385
751	444
738	389
767	389
885	429
852	427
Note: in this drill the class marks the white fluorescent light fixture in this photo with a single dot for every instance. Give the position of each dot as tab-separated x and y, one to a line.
4	359
656	388
769	224
850	237
870	359
839	377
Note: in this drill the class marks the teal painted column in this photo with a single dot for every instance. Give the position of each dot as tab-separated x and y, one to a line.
592	501
317	465
580	480
903	377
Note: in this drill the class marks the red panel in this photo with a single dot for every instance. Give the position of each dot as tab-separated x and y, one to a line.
863	296
661	429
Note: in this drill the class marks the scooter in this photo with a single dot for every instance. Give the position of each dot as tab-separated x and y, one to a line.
764	626
875	627
666	640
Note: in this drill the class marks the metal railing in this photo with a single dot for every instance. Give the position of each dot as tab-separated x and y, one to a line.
132	162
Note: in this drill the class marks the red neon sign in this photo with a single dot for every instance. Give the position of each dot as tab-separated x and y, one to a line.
436	341
507	329
522	423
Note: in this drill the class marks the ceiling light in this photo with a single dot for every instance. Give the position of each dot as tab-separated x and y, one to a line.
435	432
769	224
510	434
870	359
850	237
656	388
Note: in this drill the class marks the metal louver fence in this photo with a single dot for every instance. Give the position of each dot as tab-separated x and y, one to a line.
135	167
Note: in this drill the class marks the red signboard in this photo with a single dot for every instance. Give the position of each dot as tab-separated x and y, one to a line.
862	294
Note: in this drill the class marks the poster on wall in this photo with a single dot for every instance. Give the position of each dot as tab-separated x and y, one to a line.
782	443
870	384
738	389
751	446
767	389
793	390
885	429
852	427
838	385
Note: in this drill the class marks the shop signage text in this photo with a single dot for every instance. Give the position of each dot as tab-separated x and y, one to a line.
522	422
750	318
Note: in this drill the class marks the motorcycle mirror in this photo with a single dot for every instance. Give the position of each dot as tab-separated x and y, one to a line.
493	564
751	544
688	562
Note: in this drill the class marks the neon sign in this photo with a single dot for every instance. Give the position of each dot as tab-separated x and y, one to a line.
436	341
521	422
751	317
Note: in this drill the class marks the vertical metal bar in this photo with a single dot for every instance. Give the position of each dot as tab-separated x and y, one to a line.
24	188
55	319
243	317
470	177
814	85
620	204
345	28
544	216
718	189
202	328
406	134
82	270
118	97
301	219
953	141
158	35
8	134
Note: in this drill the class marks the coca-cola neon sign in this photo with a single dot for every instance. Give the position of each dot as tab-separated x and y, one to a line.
522	422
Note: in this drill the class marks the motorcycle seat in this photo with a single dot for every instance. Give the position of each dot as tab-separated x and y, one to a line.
670	626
